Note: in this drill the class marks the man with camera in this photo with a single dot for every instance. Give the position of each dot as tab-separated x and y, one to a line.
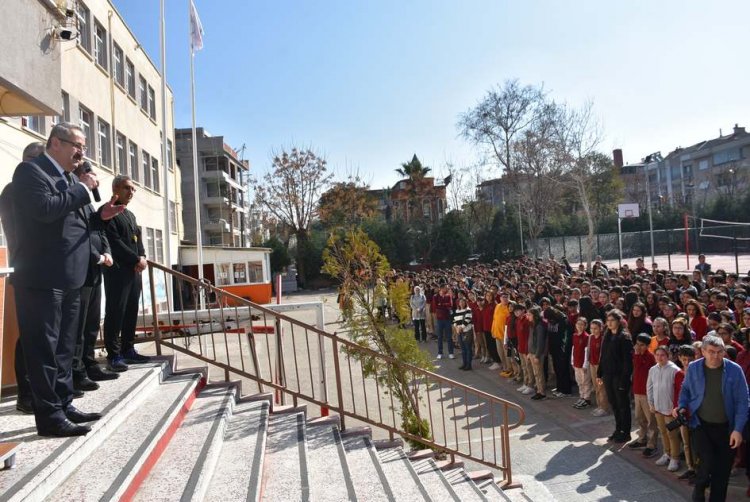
714	398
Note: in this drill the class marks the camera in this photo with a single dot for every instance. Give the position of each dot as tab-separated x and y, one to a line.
678	422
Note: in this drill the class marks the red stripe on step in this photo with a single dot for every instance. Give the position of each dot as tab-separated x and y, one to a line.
161	445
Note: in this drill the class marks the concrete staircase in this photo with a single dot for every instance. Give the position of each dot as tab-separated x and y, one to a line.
170	436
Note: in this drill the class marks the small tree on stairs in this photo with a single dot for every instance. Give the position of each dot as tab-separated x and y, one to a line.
357	263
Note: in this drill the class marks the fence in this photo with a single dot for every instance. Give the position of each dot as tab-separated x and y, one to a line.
732	240
302	363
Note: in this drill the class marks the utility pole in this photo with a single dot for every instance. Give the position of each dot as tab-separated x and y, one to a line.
654	158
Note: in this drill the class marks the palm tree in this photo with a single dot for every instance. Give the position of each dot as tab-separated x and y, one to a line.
413	169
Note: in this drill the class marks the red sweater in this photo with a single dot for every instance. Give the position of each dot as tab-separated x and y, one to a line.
700	326
522	332
476	316
679	377
580	342
487	312
595	349
641	364
443	306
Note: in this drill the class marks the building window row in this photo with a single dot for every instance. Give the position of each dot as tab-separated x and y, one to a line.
94	40
153	243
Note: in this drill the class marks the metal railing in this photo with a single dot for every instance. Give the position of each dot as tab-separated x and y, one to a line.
300	362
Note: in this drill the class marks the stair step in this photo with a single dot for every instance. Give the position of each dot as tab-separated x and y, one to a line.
466	489
493	492
370	482
330	479
111	468
43	463
433	479
421	454
237	474
185	468
285	464
401	475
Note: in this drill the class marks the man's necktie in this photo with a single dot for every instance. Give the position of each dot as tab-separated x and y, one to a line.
68	178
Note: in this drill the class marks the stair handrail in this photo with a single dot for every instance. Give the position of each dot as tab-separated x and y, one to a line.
350	347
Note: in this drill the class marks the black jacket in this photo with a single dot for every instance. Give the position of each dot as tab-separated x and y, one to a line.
124	237
51	228
99	246
617	356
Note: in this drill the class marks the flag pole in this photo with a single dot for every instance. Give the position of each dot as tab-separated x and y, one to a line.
196	169
165	137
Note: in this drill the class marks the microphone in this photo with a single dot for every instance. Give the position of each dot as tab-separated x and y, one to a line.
86	166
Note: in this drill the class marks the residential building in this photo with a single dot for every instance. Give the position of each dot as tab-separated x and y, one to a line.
693	175
99	67
411	200
222	185
494	192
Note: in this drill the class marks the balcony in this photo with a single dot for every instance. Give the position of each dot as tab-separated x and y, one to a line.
216	226
215	201
220	176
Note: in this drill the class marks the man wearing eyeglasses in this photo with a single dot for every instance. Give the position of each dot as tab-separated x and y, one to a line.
714	398
52	256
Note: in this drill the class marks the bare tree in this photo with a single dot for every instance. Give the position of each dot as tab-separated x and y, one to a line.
290	192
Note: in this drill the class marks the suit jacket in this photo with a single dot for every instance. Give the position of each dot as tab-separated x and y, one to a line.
53	247
124	237
99	246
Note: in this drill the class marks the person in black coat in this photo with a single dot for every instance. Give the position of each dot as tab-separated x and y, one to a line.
51	262
615	373
122	281
86	370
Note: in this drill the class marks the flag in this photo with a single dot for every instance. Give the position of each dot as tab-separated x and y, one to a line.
196	29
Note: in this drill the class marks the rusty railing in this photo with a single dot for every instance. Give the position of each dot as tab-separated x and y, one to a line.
303	363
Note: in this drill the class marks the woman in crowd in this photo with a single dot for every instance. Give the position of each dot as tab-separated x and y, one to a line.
462	320
696	319
638	320
615	372
418	303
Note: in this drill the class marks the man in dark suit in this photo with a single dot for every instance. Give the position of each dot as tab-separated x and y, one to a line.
122	281
24	399
52	254
86	370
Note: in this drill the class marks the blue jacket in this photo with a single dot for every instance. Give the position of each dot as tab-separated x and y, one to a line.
733	388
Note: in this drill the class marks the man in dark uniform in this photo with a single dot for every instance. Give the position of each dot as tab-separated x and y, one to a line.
86	370
122	281
52	253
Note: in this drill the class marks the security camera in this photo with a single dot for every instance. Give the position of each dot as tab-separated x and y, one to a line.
66	34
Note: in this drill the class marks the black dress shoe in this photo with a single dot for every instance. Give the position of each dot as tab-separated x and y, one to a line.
25	406
78	417
85	383
97	374
77	393
65	429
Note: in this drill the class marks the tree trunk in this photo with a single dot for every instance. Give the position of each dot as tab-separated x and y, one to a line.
302	244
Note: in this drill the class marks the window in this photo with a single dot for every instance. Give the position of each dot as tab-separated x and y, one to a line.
132	168
146	163
725	156
222	274
121	155
240	273
130	77
65	107
703	164
255	271
155	174
85	118
172	217
151	103
159	246
33	122
100	47
104	143
84	27
170	155
426	209
142	89
118	65
150	245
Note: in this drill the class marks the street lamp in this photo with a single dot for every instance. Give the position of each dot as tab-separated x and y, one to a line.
654	158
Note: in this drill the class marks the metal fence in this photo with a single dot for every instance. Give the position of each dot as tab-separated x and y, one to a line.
725	239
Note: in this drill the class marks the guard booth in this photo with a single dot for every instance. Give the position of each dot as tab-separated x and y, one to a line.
245	272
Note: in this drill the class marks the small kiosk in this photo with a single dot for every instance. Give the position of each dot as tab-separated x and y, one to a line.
245	272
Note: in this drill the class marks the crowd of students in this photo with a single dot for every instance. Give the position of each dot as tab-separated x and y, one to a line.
624	338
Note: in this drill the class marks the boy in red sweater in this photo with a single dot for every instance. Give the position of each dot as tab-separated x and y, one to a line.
643	360
581	363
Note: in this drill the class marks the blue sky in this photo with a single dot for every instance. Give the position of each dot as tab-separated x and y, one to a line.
370	83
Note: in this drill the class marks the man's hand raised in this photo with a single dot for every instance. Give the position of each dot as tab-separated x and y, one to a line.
109	210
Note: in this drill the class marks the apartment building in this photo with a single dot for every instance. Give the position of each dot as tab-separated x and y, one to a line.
411	200
110	87
693	175
222	184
